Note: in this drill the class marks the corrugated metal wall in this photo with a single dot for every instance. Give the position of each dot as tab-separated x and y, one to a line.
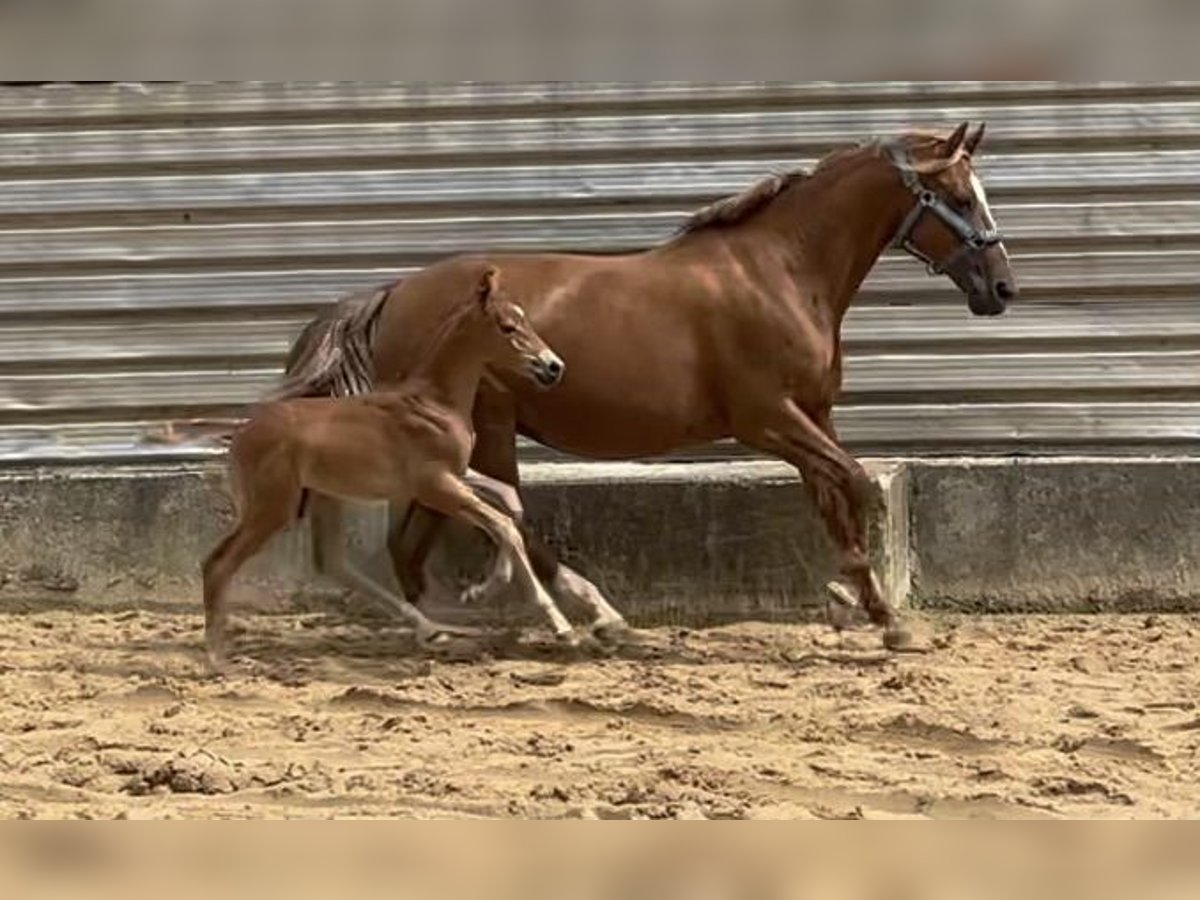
161	244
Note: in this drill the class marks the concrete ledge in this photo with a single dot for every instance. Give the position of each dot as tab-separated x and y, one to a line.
1056	534
671	543
698	543
682	543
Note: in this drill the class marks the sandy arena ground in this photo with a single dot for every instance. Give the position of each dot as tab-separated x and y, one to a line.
114	715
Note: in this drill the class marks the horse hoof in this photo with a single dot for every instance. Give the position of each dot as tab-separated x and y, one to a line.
472	595
899	639
215	657
583	646
441	635
617	632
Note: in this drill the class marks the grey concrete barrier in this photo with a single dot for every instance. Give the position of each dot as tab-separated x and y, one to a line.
678	543
1056	535
687	543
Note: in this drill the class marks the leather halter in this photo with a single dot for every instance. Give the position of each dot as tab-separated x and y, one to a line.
929	201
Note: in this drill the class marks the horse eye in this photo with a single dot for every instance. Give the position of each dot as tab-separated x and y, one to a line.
508	329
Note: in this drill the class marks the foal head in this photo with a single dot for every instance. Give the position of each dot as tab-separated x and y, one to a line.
512	344
950	227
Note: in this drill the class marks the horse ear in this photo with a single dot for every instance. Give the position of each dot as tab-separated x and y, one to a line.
954	143
487	285
971	144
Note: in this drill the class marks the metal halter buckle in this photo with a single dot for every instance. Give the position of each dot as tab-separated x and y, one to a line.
971	238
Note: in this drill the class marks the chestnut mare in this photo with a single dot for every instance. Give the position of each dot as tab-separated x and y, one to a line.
729	330
409	443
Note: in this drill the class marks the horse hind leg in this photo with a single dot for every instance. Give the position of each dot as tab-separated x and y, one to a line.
412	540
561	580
455	499
330	557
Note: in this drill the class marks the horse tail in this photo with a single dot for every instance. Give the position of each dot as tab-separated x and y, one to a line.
331	357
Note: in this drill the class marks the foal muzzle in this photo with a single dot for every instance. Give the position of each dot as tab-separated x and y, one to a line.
547	368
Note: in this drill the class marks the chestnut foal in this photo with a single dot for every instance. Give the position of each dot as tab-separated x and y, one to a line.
409	443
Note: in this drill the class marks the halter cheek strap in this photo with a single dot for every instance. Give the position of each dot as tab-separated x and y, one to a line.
971	239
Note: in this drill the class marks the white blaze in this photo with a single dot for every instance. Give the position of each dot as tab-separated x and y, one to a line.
985	211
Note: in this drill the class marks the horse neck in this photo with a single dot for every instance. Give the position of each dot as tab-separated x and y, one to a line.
450	369
834	226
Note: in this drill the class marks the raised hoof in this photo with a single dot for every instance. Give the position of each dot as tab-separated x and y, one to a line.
842	609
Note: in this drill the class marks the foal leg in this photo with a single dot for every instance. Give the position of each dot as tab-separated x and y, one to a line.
256	525
840	488
329	554
505	498
495	455
451	497
411	540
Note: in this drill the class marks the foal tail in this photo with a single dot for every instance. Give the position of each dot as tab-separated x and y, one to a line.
331	357
173	432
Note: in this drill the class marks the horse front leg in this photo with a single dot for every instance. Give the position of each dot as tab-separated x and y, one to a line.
841	490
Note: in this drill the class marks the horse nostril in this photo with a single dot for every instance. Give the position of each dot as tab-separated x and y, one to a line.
1005	291
555	368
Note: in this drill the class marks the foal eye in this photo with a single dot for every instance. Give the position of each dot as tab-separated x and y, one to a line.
508	329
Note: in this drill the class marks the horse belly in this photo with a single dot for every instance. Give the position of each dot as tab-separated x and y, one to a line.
604	418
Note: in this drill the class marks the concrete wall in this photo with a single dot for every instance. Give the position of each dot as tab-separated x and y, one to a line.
1056	535
683	543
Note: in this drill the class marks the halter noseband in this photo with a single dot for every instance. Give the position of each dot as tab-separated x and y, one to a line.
972	239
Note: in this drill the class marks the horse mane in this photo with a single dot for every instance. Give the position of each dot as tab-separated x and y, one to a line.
738	207
731	210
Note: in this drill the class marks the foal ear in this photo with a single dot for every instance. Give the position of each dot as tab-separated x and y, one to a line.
488	284
971	144
954	143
